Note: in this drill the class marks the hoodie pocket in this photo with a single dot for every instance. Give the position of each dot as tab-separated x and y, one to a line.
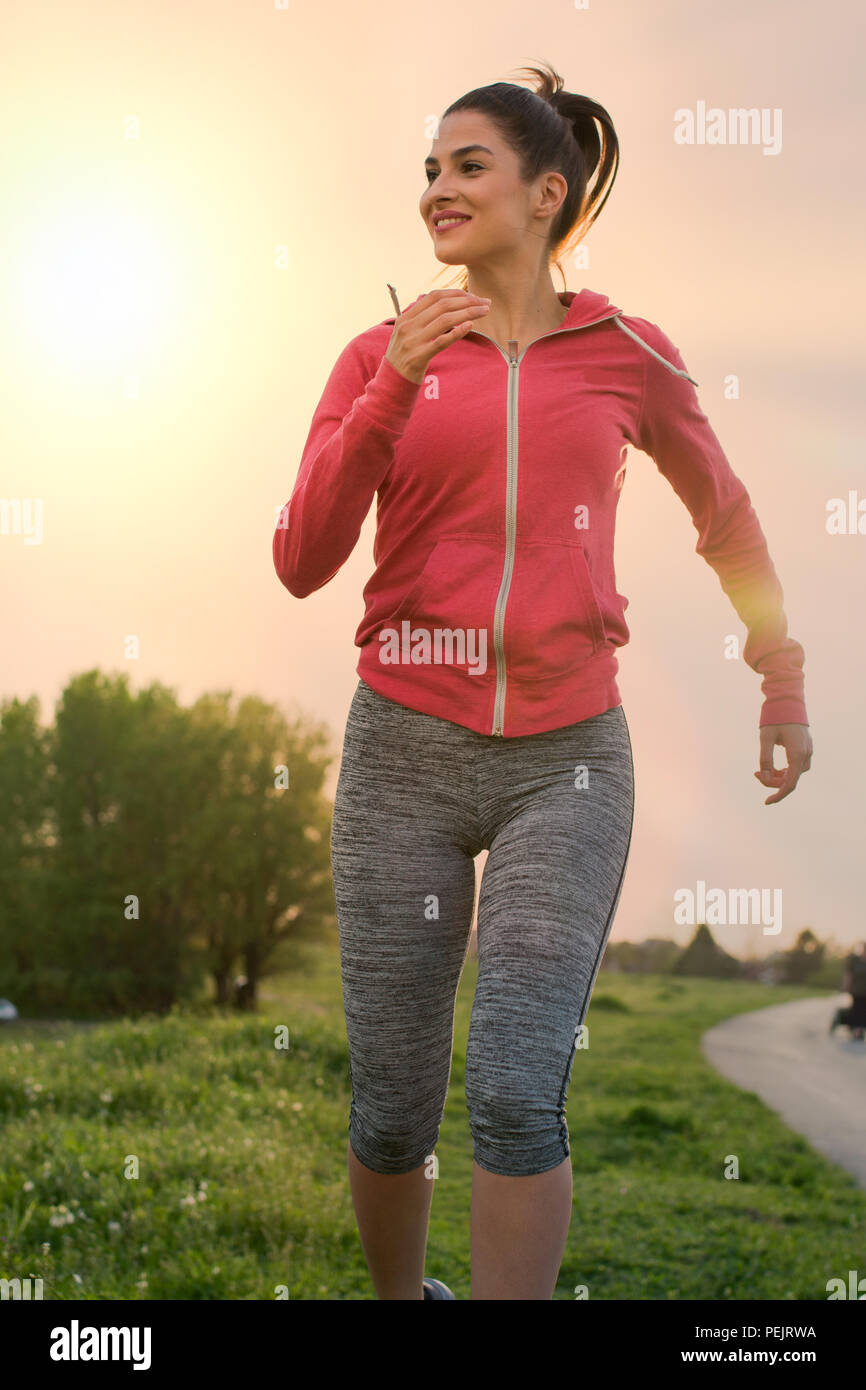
553	621
448	611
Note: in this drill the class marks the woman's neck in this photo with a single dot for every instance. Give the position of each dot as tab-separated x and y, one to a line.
517	313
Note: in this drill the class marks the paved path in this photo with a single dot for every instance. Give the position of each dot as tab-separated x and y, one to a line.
815	1082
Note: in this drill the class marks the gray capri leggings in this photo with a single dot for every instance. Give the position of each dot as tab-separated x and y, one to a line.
418	798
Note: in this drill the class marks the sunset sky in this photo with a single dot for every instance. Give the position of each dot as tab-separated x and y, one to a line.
203	204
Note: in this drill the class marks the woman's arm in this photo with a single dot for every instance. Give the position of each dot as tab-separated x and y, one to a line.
676	433
350	447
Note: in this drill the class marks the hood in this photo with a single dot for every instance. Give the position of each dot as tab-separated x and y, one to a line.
586	307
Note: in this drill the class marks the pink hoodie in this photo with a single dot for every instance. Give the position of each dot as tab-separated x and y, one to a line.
493	602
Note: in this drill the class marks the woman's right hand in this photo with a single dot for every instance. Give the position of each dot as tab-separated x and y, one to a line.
429	325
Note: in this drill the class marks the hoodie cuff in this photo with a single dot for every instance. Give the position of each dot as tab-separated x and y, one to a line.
780	710
389	397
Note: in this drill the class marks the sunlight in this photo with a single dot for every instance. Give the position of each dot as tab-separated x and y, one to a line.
93	285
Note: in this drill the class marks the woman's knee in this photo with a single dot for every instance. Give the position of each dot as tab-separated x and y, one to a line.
518	1127
392	1143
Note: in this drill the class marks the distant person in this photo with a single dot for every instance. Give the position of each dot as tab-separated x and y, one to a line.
854	983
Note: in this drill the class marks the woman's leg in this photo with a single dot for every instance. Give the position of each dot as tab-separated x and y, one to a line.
393	1215
519	1228
557	811
404	883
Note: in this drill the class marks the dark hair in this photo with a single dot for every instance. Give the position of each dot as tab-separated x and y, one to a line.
550	128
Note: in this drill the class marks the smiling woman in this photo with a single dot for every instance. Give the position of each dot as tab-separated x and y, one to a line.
529	140
490	422
507	168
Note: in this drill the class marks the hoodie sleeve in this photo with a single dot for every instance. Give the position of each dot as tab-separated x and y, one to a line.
676	433
350	447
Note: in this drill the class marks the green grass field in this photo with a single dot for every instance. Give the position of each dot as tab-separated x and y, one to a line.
241	1147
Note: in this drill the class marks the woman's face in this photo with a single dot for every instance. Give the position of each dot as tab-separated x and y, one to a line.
483	184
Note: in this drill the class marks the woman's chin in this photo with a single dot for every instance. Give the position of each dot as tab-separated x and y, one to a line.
443	260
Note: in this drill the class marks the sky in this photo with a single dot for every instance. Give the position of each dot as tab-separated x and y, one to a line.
203	205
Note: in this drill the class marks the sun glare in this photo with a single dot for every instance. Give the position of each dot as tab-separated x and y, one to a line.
92	286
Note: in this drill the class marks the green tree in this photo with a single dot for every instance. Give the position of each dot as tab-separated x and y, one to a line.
703	956
804	960
146	845
267	845
126	789
25	846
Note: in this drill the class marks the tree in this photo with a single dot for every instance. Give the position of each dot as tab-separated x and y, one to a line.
25	845
704	957
145	844
805	958
267	844
127	789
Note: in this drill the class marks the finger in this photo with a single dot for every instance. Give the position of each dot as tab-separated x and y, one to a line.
789	782
790	778
439	302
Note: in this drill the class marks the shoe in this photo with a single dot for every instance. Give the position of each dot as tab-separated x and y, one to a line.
434	1288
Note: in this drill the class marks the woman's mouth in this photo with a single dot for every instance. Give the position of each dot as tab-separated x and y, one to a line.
448	224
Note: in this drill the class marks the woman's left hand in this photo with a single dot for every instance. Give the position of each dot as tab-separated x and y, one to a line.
797	743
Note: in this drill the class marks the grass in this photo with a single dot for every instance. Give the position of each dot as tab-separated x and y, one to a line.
239	1149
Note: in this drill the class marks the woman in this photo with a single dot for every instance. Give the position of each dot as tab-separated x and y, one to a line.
491	423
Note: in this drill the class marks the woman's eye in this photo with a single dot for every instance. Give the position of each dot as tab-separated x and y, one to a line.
432	173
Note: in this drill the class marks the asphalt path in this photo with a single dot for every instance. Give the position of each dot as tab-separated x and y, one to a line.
815	1082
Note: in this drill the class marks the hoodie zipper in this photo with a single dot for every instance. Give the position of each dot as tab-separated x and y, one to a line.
511	510
510	532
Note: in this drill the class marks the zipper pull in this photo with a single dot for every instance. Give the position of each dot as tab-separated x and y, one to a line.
512	348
